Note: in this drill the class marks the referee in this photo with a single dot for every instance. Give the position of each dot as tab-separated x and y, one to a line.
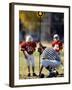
50	60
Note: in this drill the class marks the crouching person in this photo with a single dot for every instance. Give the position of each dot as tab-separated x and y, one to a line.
50	60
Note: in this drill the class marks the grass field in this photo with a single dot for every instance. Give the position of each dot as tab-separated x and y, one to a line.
23	70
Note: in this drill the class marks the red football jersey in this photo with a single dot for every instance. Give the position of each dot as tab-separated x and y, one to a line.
58	45
28	46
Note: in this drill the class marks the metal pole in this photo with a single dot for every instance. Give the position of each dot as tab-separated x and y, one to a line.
40	14
39	41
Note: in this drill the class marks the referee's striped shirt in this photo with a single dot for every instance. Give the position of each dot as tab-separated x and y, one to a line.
51	54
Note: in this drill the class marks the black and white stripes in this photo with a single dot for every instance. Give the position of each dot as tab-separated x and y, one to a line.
51	54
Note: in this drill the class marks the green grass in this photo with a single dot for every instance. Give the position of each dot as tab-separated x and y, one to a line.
23	66
23	70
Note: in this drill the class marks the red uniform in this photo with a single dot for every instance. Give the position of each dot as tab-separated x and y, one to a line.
58	45
28	46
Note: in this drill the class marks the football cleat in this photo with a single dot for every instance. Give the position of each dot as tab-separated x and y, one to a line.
41	75
34	74
29	75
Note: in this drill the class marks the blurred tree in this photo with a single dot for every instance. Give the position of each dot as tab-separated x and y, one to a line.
29	19
58	24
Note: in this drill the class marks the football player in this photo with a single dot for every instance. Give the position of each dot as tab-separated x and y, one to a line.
28	49
57	44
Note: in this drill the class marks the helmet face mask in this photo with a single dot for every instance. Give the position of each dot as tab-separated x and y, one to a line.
57	38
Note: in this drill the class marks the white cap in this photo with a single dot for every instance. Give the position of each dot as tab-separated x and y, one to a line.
29	38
